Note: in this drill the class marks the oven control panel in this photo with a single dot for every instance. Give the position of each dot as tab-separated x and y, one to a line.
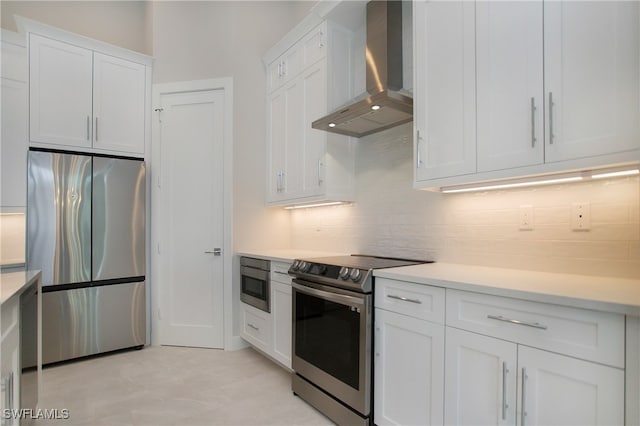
333	274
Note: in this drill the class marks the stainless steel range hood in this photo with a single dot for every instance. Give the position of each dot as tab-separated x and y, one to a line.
383	106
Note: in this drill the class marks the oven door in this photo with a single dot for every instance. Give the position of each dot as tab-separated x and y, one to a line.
332	341
255	288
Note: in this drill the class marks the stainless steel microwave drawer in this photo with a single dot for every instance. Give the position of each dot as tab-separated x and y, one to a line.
582	333
416	300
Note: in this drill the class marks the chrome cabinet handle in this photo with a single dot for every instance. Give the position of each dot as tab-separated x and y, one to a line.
551	136
278	176
321	43
518	322
404	299
418	154
96	129
88	127
281	273
253	326
533	122
505	371
284	68
282	184
523	413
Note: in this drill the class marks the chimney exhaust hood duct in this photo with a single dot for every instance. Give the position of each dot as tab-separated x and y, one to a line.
383	106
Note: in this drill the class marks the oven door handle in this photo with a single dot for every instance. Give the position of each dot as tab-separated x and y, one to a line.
333	297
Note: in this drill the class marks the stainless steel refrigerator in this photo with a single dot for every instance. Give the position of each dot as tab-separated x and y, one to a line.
86	232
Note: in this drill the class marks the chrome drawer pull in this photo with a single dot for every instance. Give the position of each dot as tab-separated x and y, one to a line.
515	321
253	326
281	273
404	299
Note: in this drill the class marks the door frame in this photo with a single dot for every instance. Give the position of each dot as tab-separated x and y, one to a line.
154	172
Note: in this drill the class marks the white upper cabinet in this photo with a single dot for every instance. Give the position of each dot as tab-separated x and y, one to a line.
444	87
306	165
15	121
283	69
118	104
592	78
60	107
509	79
84	99
557	86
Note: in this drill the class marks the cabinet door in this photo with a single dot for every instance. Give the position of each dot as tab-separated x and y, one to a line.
276	144
282	322
286	133
15	118
559	390
60	84
314	87
481	380
118	104
409	364
444	86
510	86
314	45
592	76
10	361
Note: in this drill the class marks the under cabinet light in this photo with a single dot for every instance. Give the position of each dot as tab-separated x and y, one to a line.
304	206
453	189
375	107
618	173
332	124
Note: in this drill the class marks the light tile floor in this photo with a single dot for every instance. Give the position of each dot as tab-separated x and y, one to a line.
174	386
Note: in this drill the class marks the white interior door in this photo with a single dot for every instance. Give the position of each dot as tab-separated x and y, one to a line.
192	218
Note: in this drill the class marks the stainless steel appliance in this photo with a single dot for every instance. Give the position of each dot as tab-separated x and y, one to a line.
385	104
255	285
332	333
86	232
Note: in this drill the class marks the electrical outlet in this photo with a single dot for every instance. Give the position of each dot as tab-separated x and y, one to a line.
526	218
580	216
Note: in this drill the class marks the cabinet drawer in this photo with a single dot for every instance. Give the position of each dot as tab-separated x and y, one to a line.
418	301
256	327
280	272
582	333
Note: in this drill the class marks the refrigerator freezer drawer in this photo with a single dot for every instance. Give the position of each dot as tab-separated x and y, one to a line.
92	320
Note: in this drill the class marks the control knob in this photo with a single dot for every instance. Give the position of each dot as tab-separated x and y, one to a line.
322	269
304	266
356	275
296	265
344	273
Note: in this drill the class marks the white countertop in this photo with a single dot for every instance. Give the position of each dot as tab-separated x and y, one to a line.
12	283
286	255
608	294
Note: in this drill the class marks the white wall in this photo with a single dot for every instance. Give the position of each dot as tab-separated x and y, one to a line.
197	40
121	23
390	218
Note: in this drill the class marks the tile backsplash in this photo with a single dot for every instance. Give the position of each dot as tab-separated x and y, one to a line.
390	218
12	238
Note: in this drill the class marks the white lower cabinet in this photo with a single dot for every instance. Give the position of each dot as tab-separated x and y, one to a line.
491	360
270	332
480	378
485	385
10	357
409	354
281	308
255	327
408	373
